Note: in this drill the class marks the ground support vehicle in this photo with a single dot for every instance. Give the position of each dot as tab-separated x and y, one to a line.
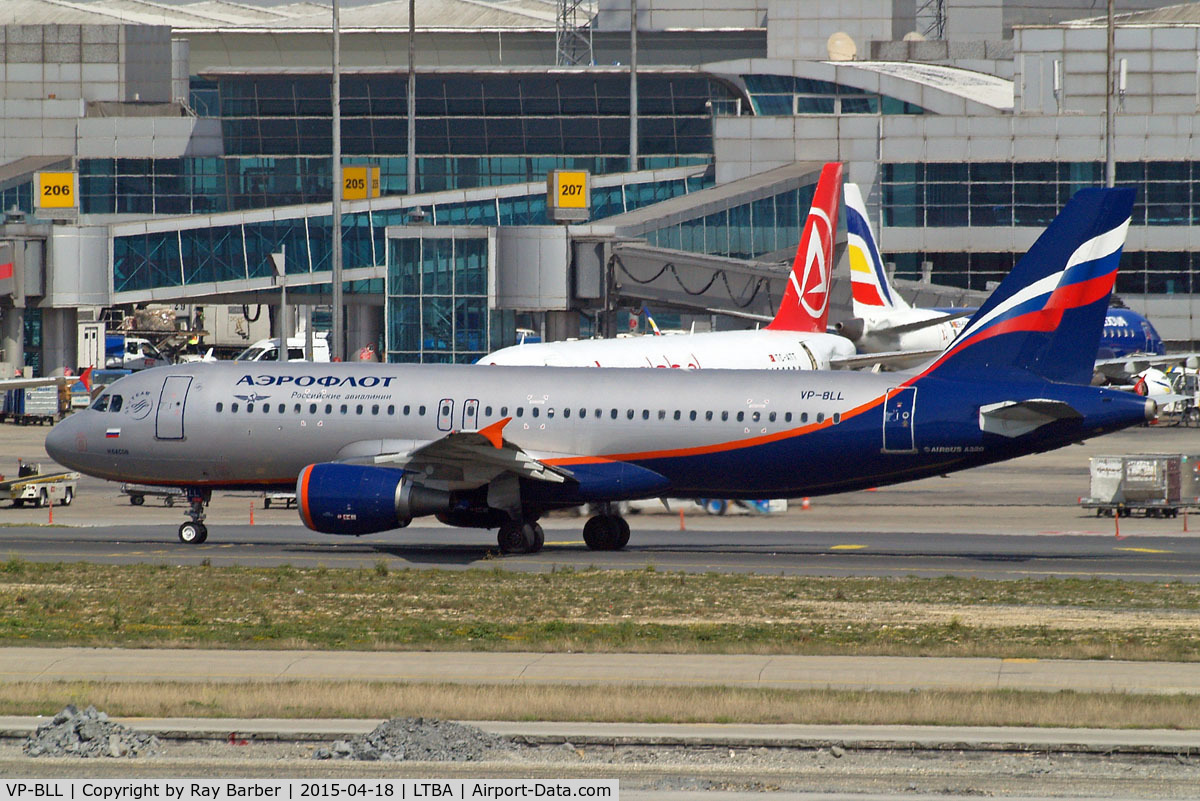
137	493
39	489
1150	484
31	406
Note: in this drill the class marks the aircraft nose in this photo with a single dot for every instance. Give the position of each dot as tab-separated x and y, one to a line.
59	442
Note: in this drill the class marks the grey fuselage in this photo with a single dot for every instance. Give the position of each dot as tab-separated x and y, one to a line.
710	433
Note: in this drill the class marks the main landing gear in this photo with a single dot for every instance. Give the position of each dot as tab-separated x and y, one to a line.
195	532
517	536
606	532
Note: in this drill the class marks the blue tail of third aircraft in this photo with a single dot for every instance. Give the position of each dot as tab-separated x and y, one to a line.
1046	317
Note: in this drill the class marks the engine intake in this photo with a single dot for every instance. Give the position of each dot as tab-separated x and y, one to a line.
359	499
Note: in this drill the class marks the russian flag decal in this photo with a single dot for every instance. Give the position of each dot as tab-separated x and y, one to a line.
112	433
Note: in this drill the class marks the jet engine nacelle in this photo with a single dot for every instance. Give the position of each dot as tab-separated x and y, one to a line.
359	499
852	329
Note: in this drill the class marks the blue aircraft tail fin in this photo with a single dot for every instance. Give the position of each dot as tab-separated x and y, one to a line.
1046	316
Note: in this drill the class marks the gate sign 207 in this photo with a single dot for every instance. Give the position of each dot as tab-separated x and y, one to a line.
569	195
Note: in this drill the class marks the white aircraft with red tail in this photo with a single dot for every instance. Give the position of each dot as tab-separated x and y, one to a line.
794	340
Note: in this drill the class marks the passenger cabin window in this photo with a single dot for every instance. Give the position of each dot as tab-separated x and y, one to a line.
312	408
520	411
567	413
487	411
114	405
755	416
282	408
345	408
787	417
358	409
233	407
391	409
534	411
421	411
820	417
708	416
613	414
741	416
803	417
724	416
220	407
629	414
375	408
296	408
249	407
407	409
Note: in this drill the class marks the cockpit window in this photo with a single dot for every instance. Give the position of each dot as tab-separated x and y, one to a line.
114	405
101	403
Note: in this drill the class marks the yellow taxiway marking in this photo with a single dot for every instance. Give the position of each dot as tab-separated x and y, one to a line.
847	547
1143	550
565	542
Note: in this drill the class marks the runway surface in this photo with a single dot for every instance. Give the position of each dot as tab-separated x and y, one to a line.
740	547
898	674
1010	520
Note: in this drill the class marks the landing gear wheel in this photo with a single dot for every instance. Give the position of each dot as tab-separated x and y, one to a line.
520	538
68	496
606	533
193	533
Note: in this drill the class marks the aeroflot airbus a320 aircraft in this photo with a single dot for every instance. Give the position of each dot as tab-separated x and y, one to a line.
795	340
369	447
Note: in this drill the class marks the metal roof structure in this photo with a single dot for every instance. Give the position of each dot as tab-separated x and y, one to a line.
977	86
1182	14
213	15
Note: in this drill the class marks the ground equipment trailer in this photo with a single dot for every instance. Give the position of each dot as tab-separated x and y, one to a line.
1152	484
39	489
137	493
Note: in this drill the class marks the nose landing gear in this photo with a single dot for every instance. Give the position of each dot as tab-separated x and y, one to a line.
195	532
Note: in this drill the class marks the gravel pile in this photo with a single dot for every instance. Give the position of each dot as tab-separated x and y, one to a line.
419	740
88	734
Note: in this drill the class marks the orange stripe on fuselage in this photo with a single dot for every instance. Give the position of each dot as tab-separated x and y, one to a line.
720	447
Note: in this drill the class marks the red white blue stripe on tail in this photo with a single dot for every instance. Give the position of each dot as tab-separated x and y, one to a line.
1046	317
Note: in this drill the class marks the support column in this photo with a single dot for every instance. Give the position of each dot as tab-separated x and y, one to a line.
60	340
561	325
12	336
364	325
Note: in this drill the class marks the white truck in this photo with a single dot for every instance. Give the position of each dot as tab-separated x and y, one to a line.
267	350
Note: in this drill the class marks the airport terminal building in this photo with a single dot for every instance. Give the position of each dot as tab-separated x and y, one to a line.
201	135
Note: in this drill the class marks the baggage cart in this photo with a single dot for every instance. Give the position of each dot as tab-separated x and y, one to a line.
31	406
137	493
1151	484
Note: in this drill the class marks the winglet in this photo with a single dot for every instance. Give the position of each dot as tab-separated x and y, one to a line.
495	432
85	378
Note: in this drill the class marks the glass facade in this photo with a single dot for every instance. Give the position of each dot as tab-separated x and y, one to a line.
437	301
785	96
241	250
1149	272
741	232
1030	193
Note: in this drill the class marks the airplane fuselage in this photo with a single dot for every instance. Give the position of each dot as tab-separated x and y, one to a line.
719	350
706	433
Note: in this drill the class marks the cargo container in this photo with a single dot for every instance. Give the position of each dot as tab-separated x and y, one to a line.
1154	484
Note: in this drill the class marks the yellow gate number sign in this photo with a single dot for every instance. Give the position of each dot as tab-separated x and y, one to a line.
572	190
359	183
569	195
55	190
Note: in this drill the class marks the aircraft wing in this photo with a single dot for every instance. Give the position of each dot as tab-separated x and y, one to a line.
919	324
895	359
47	381
467	459
1015	418
1118	368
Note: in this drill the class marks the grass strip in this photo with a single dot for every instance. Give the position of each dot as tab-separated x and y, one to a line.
605	703
593	610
